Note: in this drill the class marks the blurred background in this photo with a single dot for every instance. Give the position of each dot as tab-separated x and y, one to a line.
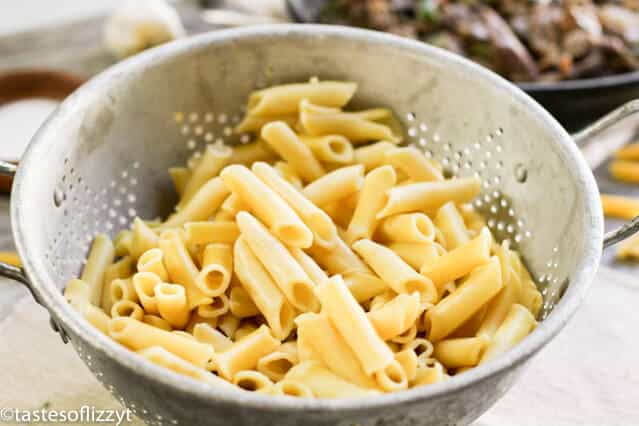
578	58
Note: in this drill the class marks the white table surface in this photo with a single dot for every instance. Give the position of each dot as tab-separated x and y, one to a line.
588	375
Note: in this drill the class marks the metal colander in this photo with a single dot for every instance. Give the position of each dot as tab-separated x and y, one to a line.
102	159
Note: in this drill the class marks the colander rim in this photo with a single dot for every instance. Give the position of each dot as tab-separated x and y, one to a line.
46	290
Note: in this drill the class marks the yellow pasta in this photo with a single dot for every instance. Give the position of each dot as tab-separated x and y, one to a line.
325	384
240	303
335	186
396	316
180	177
246	328
122	289
202	204
430	373
408	360
392	378
364	285
371	201
407	228
218	307
122	242
329	148
123	268
268	206
289	174
152	261
625	171
414	163
100	257
144	284
628	152
244	354
373	155
417	254
451	223
460	352
619	206
276	364
204	333
162	357
252	123
96	317
211	232
157	321
252	381
144	239
249	153
518	324
429	196
215	157
629	249
288	387
172	304
217	266
127	308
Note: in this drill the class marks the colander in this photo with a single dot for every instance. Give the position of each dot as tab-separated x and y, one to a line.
102	158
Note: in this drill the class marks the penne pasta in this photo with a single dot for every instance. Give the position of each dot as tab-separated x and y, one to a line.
289	174
628	152
413	163
240	303
335	186
172	304
123	268
330	148
162	357
157	321
287	274
100	257
219	306
217	267
451	223
252	381
325	384
180	177
619	206
625	171
417	254
276	364
408	361
122	243
308	264
122	289
211	232
144	284
373	155
364	285
96	317
407	228
152	261
245	353
428	196
249	153
206	200
392	378
213	160
144	239
338	260
253	123
288	387
433	372
460	352
246	328
228	324
127	308
518	323
396	316
204	333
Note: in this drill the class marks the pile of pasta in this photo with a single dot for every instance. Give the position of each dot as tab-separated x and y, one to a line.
321	260
625	168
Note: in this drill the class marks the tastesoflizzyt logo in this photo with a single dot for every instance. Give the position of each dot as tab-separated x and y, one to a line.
84	414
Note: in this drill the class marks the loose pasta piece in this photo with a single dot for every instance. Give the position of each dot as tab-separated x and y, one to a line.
429	196
338	260
285	99
373	155
198	319
451	223
392	378
152	261
160	356
96	317
364	285
100	257
471	326
433	372
144	284
288	387
625	171
325	384
211	232
246	328
229	324
241	304
252	123
407	336
213	160
157	321
123	268
620	206
206	200
407	228
245	353
127	308
481	286
335	186
252	381
233	205
218	307
180	177
268	206
144	238
288	145
122	289
318	222
137	335
331	348
460	261
172	304
460	352
289	174
394	271
309	266
204	333
628	152
330	148
371	201
181	268
518	324
249	153
266	295
217	267
396	316
122	242
277	260
357	129
629	249
408	360
414	163
350	320
276	364
417	254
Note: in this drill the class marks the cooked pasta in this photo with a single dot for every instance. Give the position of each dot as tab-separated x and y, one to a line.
320	260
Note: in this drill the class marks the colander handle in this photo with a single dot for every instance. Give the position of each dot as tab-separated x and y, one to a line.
583	139
16	273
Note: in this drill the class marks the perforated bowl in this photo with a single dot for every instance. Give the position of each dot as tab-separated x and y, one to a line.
102	158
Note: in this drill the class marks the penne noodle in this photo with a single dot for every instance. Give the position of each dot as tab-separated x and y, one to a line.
288	387
629	249
392	378
471	326
407	228
162	357
338	260
433	372
460	261
308	264
628	152
289	174
137	335
364	285
123	268
206	200
172	305
240	303
252	123
180	177
330	148
429	196
217	267
144	239
335	186
394	271
417	254
268	206
280	264
451	223
252	381
625	171
371	201
408	361
198	319
350	320
152	261
324	231
373	155
481	286
285	99
128	309
122	289
100	257
204	333
619	206
266	295
122	243
276	364
288	145
396	316
244	330
228	324
144	284
407	336
414	163
213	160
157	321
96	317
211	232
181	268
244	354
460	352
518	324
218	307
249	153
323	383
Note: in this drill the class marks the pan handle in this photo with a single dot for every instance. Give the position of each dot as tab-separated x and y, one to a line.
584	137
16	273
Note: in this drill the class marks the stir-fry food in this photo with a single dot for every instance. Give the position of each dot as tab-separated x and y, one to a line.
523	40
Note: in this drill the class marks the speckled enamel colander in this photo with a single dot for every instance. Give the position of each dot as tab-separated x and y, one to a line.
102	158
